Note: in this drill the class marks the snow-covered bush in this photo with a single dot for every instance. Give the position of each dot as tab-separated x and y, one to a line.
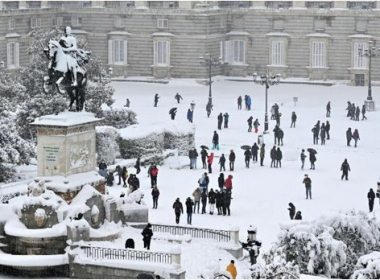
330	245
275	267
183	142
144	146
107	147
117	118
368	267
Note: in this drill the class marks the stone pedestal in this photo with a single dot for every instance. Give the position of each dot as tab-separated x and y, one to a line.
369	105
65	143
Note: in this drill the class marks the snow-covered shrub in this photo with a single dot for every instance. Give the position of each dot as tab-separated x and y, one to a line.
144	146
107	146
330	245
275	267
183	142
117	118
368	267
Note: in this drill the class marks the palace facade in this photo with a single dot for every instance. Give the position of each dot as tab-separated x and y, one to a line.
304	39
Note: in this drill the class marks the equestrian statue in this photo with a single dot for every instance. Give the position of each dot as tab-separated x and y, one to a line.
66	70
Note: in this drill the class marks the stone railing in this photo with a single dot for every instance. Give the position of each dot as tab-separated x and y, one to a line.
101	253
219	235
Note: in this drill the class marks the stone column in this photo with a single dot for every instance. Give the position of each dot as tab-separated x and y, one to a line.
340	4
234	232
176	257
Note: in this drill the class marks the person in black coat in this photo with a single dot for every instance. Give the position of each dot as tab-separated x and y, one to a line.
220	121
204	201
294	119
211	200
219	202
239	102
328	109
156	97
273	157
178	210
292	210
204	155
137	165
222	162
215	141
349	136
178	97
226	203
155	195
315	131
189	209
250	119
147	234
363	112
221	181
298	216
275	135
262	154
278	156
280	137
226	119
371	199
312	159
232	158
327	129
254	151
345	168
323	134
247	157
110	179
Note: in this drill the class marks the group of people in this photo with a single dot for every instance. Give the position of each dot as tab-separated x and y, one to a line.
256	124
352	135
223	118
322	131
353	111
247	102
293	214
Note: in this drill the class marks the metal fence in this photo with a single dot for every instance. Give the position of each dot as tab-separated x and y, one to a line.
100	253
219	235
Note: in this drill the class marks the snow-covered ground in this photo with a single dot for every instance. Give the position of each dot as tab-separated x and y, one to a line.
261	194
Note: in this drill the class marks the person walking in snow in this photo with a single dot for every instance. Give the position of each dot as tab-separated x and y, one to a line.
307	182
250	119
189	210
155	195
247	157
147	234
228	183
218	202
280	137
208	109
345	168
303	157
363	112
189	115
328	109
178	210
156	97
138	165
203	182
294	119
239	102
356	137
215	141
222	162
178	97
110	178
226	203
312	159
256	125
221	181
278	157
204	201
327	129
193	155
357	113
315	131
197	199
231	268
273	157
211	200
124	175
371	199
210	159
254	151
119	171
292	210
172	113
262	154
226	119
153	173
232	158
349	136
220	121
204	157
323	134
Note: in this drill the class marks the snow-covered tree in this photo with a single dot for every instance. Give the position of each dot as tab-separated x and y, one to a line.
107	147
275	267
13	149
118	118
368	267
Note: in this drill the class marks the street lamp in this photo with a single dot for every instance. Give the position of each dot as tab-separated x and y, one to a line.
372	51
268	81
210	61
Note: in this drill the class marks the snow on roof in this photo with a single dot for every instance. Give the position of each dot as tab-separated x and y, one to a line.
66	119
141	131
163	34
33	260
71	182
361	36
323	35
238	33
14	227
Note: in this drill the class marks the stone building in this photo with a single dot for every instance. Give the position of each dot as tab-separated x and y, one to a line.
306	39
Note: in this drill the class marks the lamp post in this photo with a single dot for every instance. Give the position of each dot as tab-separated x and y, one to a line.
266	80
210	61
372	51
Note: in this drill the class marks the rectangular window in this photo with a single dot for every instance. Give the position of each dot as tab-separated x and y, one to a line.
278	4
360	61
57	21
11	5
319	4
34	4
232	52
162	23
11	24
117	52
361	5
238	52
35	22
162	53
278	50
318	54
13	55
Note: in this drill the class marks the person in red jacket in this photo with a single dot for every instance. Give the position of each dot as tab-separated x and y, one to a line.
228	183
210	159
153	172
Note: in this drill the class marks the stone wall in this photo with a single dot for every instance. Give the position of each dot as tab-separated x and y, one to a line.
36	246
